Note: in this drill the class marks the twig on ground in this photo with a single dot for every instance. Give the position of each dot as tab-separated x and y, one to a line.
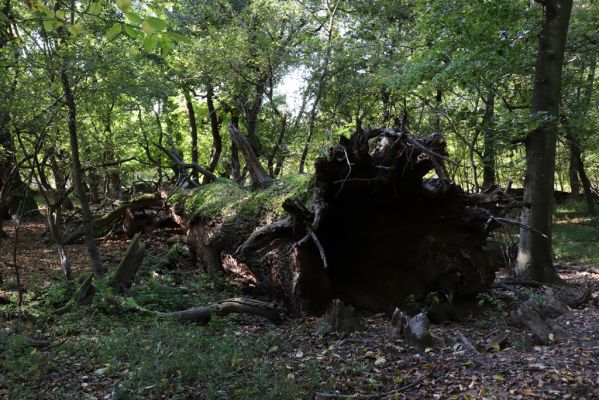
321	395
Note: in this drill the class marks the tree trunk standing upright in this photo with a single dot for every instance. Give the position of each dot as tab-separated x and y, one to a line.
193	126
489	139
332	11
235	164
88	222
534	258
577	164
217	141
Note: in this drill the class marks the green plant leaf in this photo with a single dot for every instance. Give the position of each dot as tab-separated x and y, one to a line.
132	18
133	33
123	5
147	28
156	23
50	24
95	8
114	30
75	30
166	46
178	37
150	43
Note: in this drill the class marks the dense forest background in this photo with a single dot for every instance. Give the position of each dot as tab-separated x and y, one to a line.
296	75
277	158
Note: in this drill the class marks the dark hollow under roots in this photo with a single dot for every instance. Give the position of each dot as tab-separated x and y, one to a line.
376	235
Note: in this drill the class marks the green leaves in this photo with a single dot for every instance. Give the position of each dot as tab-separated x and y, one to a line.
114	30
133	33
132	18
95	8
157	24
150	42
123	5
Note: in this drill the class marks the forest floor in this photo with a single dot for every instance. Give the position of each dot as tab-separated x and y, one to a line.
92	353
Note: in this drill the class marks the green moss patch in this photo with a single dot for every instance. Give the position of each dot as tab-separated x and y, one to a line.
226	199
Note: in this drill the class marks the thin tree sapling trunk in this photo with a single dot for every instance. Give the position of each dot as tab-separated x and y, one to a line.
88	223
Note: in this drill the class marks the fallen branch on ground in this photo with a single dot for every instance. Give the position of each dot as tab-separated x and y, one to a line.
238	305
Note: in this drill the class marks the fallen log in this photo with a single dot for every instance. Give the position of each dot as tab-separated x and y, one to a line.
369	229
238	305
104	222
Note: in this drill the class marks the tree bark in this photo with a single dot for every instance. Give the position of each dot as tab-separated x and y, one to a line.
577	163
88	223
534	258
193	126
489	140
332	11
258	174
217	142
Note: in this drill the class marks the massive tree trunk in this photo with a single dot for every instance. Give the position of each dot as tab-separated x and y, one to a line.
534	258
88	223
375	234
13	191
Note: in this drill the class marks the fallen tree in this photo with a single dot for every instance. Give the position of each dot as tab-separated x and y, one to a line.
123	211
369	229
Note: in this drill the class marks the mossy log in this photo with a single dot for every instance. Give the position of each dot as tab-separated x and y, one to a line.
103	222
369	229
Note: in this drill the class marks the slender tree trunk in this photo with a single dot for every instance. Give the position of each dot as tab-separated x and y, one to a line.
573	170
88	222
217	142
277	147
577	163
193	126
534	258
332	11
386	114
235	164
489	139
53	218
438	101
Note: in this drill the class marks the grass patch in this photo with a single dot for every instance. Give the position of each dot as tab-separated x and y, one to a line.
575	234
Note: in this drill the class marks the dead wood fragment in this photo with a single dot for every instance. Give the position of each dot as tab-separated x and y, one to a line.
538	315
101	223
258	174
183	165
339	318
129	265
415	331
238	305
386	395
259	240
466	342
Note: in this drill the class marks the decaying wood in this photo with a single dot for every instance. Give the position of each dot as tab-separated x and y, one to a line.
103	222
538	315
415	330
129	265
236	305
183	165
374	233
339	318
258	174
